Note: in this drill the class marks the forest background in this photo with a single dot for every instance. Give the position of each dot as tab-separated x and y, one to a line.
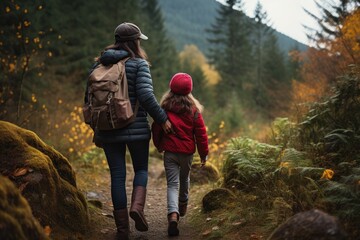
277	109
48	48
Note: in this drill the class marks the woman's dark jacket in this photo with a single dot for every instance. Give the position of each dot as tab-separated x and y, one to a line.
141	89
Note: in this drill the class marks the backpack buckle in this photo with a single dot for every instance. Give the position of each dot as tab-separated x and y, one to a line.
109	98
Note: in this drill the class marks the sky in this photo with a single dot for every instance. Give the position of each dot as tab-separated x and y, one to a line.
286	16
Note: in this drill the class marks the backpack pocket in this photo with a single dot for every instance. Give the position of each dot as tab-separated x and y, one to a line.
120	112
121	109
100	118
87	113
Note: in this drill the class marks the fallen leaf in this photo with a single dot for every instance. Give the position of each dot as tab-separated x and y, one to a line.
207	232
236	223
255	236
47	230
20	172
107	215
22	186
215	228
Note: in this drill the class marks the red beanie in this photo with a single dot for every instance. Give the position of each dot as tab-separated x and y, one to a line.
181	84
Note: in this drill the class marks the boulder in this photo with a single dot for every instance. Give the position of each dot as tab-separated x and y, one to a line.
217	198
16	219
44	177
207	173
309	225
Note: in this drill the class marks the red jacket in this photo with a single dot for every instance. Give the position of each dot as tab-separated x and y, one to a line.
189	133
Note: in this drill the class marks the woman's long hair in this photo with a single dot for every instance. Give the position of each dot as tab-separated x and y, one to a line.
187	103
132	47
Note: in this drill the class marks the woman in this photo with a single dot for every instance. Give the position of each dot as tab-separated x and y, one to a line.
135	136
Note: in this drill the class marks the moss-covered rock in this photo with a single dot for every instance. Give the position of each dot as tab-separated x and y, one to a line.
44	177
16	219
217	198
205	174
313	224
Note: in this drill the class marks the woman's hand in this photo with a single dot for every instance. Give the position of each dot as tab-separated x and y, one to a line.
166	126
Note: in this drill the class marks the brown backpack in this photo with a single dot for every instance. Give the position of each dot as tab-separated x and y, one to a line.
109	106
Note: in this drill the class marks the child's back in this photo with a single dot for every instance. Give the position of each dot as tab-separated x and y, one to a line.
189	133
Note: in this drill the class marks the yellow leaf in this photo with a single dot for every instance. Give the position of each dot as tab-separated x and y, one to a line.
11	67
327	174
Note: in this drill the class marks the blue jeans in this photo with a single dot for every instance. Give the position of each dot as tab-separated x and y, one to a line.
115	155
177	169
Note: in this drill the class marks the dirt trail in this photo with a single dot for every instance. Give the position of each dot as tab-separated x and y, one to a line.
96	186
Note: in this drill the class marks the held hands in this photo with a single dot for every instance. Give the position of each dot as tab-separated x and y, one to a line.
166	126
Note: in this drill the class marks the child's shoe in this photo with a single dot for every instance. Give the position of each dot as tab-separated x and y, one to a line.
182	208
173	219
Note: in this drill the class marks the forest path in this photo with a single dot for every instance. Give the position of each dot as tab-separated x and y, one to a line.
95	183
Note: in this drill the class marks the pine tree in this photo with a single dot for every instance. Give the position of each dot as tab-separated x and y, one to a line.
332	15
294	64
160	49
25	42
278	84
84	32
261	33
333	42
231	49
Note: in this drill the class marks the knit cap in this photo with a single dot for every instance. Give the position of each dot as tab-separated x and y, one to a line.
181	84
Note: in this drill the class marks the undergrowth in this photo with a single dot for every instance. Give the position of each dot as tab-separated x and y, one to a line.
314	163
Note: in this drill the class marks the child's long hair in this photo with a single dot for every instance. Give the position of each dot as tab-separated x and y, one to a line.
188	103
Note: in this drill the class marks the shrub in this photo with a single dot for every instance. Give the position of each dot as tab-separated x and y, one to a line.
330	131
247	163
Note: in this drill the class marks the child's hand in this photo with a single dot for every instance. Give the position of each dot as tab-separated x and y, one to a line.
203	162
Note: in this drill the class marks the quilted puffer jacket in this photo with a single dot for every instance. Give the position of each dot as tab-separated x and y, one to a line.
141	89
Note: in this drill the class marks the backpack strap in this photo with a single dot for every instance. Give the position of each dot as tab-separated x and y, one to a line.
137	104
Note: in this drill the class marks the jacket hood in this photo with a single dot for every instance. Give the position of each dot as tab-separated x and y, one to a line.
112	56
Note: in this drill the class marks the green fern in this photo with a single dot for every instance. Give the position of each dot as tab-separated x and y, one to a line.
247	161
283	132
343	197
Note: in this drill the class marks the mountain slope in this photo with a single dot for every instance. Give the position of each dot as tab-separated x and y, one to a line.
187	20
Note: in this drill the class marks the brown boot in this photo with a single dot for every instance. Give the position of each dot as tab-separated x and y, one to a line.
122	223
182	208
137	208
173	219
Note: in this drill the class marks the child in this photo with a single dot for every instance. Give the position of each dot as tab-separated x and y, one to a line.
189	132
